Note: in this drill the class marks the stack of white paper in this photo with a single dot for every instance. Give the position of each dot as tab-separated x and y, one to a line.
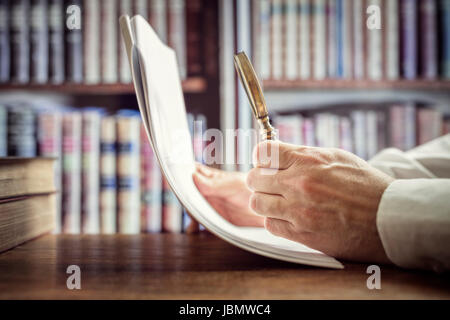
160	97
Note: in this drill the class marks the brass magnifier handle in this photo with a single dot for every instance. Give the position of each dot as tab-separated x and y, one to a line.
255	95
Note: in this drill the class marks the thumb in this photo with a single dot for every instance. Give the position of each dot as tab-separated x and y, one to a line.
203	184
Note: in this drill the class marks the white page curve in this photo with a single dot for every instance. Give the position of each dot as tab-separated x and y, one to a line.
168	131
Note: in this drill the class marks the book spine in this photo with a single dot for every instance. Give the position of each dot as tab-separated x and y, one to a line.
74	48
128	174
298	133
359	133
277	39
428	39
283	131
261	45
436	126
3	131
200	126
194	33
347	40
278	123
304	41
172	211
4	42
21	132
396	126
56	41
291	68
126	7
358	39
409	38
392	41
177	33
151	186
49	144
294	124
320	130
108	181
333	129
372	134
308	132
90	172
92	41
289	128
319	39
141	8
331	39
264	15
20	43
158	18
256	36
345	134
193	130
423	125
39	41
374	50
445	17
410	127
339	39
381	130
71	168
109	42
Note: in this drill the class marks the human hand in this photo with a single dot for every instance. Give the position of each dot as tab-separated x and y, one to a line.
324	198
228	195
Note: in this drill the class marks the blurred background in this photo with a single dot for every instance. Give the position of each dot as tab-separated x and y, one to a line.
331	78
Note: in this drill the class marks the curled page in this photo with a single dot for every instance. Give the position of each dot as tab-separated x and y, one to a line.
161	102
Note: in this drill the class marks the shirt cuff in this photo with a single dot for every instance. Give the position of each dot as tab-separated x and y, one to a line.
413	222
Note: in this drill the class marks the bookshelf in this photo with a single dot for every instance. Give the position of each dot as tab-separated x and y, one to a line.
370	85
197	85
191	28
222	28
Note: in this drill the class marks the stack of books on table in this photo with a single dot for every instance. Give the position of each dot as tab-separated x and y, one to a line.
109	178
27	199
364	130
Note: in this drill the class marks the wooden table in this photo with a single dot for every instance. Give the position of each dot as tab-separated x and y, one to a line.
178	266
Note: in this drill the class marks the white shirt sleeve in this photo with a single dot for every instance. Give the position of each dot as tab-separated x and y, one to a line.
413	217
430	160
413	222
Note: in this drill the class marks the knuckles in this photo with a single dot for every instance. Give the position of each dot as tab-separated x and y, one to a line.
254	202
271	226
307	220
251	177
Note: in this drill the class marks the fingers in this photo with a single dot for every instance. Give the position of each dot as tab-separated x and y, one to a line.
204	170
206	179
269	205
279	227
273	154
203	183
263	180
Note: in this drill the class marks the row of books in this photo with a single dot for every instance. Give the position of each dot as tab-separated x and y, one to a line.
56	41
364	131
107	174
351	39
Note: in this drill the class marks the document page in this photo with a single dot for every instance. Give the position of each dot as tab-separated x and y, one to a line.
161	102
